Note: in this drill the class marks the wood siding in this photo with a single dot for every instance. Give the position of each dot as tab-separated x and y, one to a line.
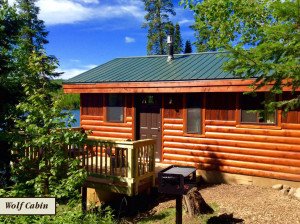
264	151
93	119
225	145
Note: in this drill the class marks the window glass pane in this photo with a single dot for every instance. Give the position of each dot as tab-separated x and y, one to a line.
193	105
254	111
115	111
193	120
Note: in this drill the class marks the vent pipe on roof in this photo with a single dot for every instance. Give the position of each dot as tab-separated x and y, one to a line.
170	46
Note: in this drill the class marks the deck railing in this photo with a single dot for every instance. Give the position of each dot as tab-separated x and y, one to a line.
119	166
123	164
129	159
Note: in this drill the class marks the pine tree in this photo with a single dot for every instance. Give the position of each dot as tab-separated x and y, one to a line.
156	20
10	93
38	122
32	39
177	40
188	47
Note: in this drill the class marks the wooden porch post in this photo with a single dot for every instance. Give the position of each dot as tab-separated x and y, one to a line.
84	198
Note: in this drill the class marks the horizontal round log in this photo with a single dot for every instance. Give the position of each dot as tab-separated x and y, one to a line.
224	142
242	164
173	121
234	156
111	134
108	128
290	126
238	170
90	117
173	132
173	127
229	149
255	138
91	122
216	122
264	132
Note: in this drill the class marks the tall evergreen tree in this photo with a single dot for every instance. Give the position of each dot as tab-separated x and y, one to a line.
9	85
32	38
188	47
37	123
156	20
177	40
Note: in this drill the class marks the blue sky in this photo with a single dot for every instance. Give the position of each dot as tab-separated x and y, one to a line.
87	33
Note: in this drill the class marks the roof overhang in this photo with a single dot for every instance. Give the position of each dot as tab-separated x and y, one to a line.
227	85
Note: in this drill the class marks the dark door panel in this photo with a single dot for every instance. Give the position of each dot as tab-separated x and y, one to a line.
149	119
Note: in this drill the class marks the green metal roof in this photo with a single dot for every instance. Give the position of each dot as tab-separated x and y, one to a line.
201	66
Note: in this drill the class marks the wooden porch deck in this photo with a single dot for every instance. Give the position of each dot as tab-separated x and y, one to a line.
125	167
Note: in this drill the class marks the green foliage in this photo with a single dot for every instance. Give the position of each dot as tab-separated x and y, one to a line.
262	36
9	83
188	47
157	21
41	164
69	214
175	33
177	40
68	101
54	172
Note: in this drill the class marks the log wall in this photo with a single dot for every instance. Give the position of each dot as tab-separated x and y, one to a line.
227	146
93	117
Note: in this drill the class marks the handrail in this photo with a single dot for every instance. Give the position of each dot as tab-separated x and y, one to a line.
128	159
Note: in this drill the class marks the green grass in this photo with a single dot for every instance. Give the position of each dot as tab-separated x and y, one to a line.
169	216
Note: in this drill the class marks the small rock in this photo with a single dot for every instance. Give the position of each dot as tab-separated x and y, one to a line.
284	191
297	194
286	187
277	186
292	191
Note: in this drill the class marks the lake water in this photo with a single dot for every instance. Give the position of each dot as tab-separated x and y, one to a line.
76	114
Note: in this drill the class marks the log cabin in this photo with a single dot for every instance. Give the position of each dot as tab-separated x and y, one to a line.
196	112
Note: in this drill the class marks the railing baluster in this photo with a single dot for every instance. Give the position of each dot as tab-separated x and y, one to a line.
106	149
101	151
97	154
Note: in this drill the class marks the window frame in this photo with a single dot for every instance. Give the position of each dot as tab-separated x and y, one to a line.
277	114
106	110
202	116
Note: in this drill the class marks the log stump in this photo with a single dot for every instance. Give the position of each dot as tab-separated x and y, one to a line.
194	203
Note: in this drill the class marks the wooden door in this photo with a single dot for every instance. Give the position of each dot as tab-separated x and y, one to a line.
149	119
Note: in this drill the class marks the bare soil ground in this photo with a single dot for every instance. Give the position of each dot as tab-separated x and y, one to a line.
238	204
253	204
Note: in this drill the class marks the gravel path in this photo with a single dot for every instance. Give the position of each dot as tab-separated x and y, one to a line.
253	204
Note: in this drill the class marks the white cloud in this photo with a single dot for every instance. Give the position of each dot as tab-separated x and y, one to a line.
55	12
71	72
186	22
63	11
90	1
129	40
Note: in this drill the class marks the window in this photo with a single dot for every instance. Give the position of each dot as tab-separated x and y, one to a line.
115	110
253	109
193	114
